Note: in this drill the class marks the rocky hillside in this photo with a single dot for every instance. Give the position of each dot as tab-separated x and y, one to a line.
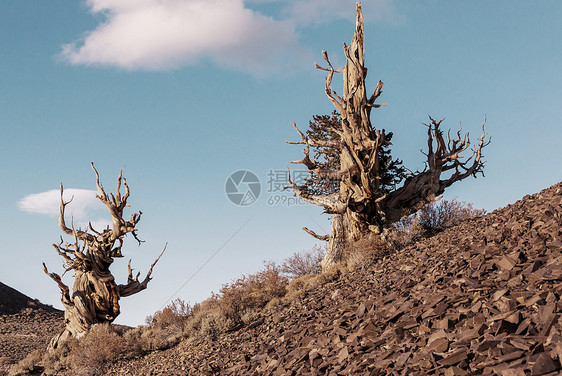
482	298
25	324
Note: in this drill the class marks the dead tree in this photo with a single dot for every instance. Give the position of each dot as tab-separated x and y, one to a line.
95	296
361	206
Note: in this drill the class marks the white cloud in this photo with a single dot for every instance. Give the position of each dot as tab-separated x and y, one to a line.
84	205
227	33
185	32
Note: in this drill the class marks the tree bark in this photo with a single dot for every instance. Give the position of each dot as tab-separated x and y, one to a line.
95	294
362	206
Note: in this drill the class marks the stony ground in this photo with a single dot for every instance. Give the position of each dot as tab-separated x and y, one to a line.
482	298
25	325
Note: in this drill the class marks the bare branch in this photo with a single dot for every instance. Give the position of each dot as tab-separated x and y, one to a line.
319	237
62	223
133	285
65	291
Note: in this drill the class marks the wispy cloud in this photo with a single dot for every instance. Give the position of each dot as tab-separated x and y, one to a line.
81	210
227	33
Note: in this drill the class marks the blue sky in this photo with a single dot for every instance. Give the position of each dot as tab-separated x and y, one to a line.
182	93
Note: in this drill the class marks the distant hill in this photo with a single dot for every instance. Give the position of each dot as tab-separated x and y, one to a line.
13	301
25	324
482	298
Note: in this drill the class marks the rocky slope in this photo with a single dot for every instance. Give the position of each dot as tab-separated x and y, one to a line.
482	298
25	324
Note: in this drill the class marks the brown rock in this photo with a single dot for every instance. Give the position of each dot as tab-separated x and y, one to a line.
543	364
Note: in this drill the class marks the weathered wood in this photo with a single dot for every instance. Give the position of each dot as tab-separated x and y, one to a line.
95	294
362	206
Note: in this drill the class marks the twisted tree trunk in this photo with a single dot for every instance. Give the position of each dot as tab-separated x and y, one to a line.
95	294
362	205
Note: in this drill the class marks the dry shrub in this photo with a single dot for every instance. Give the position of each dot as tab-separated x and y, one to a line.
237	304
28	365
252	292
215	322
174	314
135	345
405	232
96	350
207	319
299	287
364	252
438	216
303	263
45	362
430	220
165	329
5	360
157	338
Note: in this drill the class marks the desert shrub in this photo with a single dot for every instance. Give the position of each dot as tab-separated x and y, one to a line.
299	287
174	314
134	342
165	328
303	263
364	252
405	232
430	220
252	292
5	360
92	354
208	319
5	363
55	361
216	321
440	215
28	365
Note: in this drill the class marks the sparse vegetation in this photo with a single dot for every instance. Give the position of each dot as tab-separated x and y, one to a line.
431	219
438	216
239	303
251	292
175	314
304	263
28	364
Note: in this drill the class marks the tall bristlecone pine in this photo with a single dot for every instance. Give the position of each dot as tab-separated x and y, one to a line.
95	294
363	204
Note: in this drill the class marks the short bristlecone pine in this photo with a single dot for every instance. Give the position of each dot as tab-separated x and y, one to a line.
95	294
